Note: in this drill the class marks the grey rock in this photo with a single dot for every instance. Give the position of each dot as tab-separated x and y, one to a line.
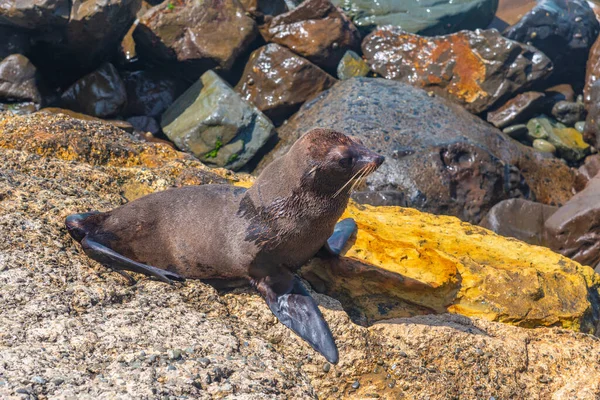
18	80
214	123
426	17
568	112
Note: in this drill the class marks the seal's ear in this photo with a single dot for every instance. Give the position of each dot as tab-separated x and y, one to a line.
294	307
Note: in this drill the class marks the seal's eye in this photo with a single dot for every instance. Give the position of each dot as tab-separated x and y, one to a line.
346	162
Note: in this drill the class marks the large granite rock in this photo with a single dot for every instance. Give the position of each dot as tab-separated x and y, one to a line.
519	219
72	329
19	80
574	229
100	93
405	263
278	81
425	17
477	69
439	158
564	30
214	123
316	30
202	34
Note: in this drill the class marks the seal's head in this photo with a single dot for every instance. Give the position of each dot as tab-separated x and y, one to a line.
335	162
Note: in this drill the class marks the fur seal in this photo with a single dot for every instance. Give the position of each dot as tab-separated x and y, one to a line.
260	235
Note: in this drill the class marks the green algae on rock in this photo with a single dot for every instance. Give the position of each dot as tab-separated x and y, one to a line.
568	142
212	121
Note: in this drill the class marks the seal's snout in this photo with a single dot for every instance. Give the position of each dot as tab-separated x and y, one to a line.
379	160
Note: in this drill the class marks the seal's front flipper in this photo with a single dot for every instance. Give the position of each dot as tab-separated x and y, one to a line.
294	307
114	260
342	232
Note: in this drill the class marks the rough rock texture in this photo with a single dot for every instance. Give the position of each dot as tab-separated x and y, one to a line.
278	81
518	109
18	80
425	17
439	158
398	255
204	34
477	69
72	329
564	30
214	123
519	219
574	229
150	92
592	71
100	93
591	133
352	65
316	30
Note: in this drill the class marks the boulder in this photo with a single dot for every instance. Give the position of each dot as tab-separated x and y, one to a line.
352	65
100	93
564	30
477	69
439	158
403	263
278	81
511	11
518	109
261	8
70	327
316	30
574	229
19	80
519	219
568	112
201	34
214	123
425	17
150	92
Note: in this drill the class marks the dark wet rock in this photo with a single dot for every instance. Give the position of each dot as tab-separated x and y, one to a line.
13	41
574	230
439	158
426	17
100	93
568	141
352	65
520	219
568	112
39	14
517	132
316	30
206	34
261	8
561	92
145	124
591	133
278	81
564	30
214	123
518	109
589	169
592	71
18	80
476	69
150	92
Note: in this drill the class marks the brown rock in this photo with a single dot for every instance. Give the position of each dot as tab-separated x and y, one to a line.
591	132
206	34
574	230
561	92
520	219
475	69
518	109
100	93
277	81
589	169
39	14
511	11
316	30
261	8
18	80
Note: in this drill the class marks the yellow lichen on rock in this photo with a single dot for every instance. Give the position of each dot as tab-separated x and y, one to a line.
440	264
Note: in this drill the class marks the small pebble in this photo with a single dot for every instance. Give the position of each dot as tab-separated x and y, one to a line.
356	385
174	354
59	381
544	146
205	362
580	126
171	368
39	380
326	367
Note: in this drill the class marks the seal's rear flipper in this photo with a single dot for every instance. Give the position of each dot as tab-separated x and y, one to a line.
114	260
299	312
342	232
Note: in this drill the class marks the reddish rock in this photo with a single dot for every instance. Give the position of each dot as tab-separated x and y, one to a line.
561	92
592	71
475	69
316	30
518	109
591	132
585	173
207	34
277	81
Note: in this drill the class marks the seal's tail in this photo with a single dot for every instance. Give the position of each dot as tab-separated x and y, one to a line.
297	310
76	226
